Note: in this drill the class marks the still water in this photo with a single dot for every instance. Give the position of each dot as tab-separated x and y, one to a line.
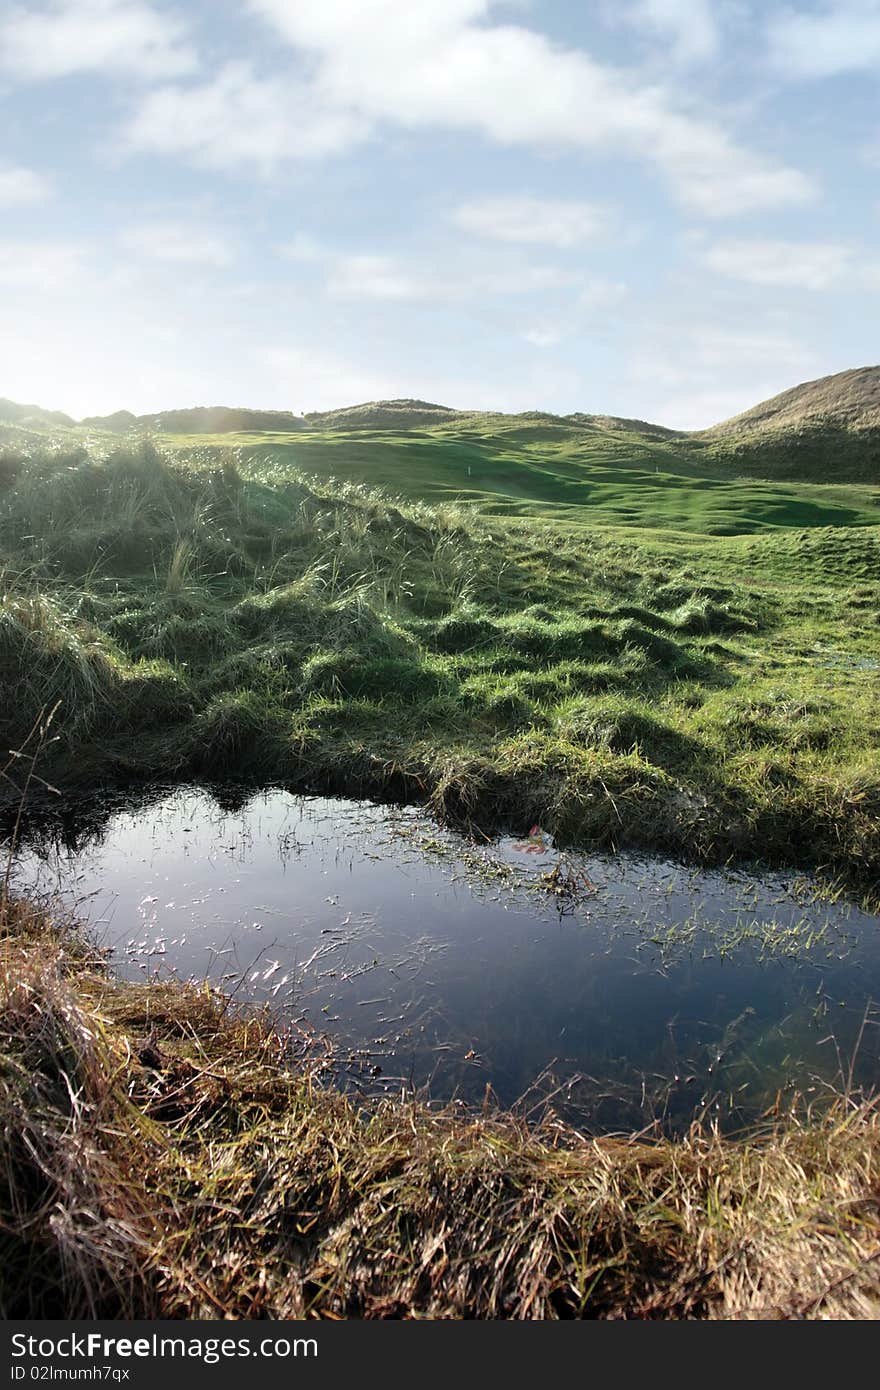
652	992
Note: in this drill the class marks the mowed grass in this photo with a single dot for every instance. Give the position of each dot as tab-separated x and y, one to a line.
194	616
601	476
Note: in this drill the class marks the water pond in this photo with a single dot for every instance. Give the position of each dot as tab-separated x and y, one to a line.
618	990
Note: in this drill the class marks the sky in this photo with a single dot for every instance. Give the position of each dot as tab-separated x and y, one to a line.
666	209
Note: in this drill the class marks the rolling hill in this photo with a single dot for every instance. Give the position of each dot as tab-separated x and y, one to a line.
848	400
827	429
214	419
808	457
33	416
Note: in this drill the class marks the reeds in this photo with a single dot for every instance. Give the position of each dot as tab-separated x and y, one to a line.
75	1229
164	1155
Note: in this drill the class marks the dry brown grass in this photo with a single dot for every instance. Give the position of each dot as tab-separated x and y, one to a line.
850	398
164	1155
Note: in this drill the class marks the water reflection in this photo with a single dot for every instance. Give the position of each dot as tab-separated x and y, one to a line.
652	992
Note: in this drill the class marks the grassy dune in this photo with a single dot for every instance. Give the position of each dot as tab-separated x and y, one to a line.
163	1156
192	615
597	475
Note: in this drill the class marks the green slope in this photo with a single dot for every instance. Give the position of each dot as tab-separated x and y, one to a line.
811	451
594	470
600	476
708	695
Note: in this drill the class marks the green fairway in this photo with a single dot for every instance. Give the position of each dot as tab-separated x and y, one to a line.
599	476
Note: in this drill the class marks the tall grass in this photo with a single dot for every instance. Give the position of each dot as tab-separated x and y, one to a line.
48	661
711	697
179	567
162	1155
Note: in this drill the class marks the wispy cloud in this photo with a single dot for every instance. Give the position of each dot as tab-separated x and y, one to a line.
44	266
307	378
428	280
240	119
377	277
442	65
21	187
598	295
810	265
317	380
542	337
689	29
178	243
559	222
125	38
593	305
722	349
838	37
709	373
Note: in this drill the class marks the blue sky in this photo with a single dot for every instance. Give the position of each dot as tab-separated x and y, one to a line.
661	208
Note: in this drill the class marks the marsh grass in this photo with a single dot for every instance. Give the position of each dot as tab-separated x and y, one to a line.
179	567
163	1154
207	612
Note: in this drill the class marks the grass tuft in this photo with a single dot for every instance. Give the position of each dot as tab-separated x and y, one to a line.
195	611
164	1155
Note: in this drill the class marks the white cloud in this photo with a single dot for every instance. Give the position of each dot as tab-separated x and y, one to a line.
42	266
239	118
117	37
588	308
376	277
700	374
317	380
542	337
724	349
559	222
690	27
20	187
515	279
867	276
175	242
306	378
839	37
398	25
427	280
598	294
811	265
439	64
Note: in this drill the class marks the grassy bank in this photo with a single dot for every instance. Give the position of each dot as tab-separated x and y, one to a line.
164	1156
709	696
561	471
